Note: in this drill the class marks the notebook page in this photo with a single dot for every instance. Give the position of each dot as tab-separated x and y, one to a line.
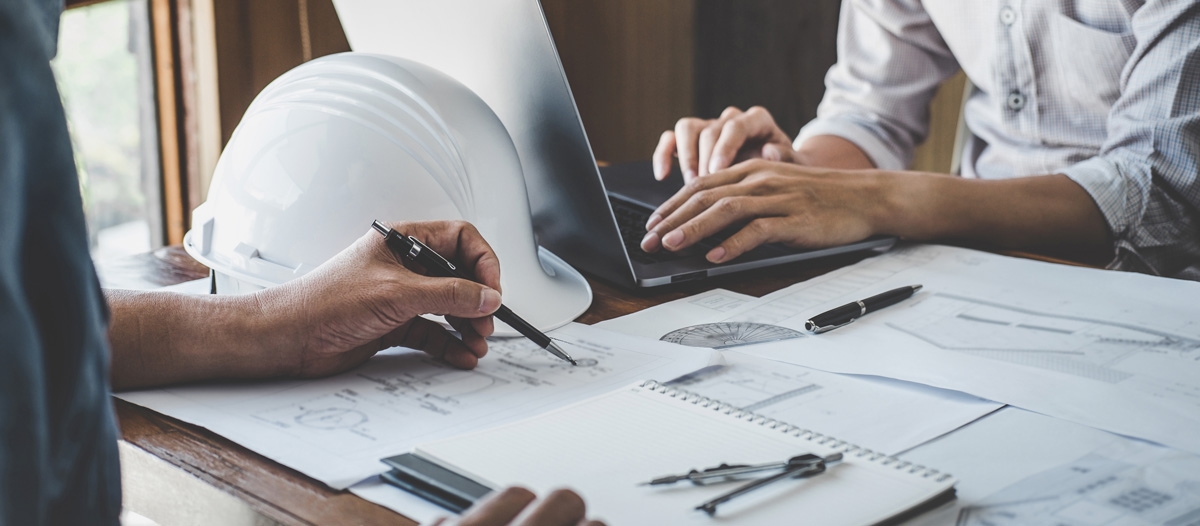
604	447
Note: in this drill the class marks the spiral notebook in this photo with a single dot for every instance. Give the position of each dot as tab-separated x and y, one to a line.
604	447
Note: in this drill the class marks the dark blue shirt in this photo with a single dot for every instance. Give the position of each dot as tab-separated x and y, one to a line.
58	449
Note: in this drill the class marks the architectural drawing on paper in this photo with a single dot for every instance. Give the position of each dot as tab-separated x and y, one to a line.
1096	489
725	335
414	385
587	362
1080	346
437	389
336	414
331	418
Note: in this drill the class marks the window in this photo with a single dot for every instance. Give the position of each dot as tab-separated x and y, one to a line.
105	74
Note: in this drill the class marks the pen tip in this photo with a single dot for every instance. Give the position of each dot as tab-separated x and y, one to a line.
917	287
557	351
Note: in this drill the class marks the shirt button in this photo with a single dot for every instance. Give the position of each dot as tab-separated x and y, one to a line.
1016	101
1008	15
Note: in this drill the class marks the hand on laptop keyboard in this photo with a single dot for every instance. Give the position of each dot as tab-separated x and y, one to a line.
631	219
706	146
798	206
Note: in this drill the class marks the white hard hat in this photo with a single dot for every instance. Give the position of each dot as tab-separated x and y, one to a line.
342	140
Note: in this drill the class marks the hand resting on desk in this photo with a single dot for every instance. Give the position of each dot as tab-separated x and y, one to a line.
361	301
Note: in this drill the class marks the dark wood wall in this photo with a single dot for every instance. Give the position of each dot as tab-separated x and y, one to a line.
630	62
259	40
635	66
631	66
770	53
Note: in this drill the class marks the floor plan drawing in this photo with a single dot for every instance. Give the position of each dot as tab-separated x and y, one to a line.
1080	346
414	385
1098	490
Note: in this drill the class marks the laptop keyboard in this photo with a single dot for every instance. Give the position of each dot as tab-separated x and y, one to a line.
631	219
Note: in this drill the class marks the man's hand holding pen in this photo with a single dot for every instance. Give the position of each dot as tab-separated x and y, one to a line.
367	298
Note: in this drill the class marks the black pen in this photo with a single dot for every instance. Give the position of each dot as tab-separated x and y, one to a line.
832	319
412	249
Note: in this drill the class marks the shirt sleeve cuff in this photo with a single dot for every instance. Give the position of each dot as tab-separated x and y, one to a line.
866	140
1102	179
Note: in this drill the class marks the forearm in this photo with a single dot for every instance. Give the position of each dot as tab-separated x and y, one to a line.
1030	213
831	151
165	338
1038	212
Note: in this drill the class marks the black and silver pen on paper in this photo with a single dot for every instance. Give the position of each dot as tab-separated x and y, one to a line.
837	317
412	249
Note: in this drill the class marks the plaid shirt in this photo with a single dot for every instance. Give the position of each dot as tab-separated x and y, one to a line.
1106	92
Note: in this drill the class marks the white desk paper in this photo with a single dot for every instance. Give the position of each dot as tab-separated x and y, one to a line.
654	322
1114	350
336	429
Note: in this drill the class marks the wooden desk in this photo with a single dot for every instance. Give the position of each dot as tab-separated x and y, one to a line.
178	473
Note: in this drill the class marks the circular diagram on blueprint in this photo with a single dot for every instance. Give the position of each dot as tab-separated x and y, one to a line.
728	334
331	418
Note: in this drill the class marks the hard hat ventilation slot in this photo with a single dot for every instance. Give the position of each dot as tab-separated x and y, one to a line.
395	112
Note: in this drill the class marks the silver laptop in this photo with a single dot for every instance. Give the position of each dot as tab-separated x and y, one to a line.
592	217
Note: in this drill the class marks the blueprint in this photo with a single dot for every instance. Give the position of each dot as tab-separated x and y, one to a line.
1001	462
967	324
1109	351
336	429
1127	485
411	386
1114	350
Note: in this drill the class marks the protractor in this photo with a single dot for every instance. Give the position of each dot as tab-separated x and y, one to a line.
726	334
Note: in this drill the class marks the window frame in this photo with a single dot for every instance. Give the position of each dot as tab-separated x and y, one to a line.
172	46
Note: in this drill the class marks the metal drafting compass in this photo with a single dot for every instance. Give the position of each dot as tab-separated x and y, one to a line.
800	466
726	334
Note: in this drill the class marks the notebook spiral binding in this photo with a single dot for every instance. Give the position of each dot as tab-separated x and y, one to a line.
812	436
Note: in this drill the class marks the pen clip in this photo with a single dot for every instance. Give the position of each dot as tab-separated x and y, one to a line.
418	247
813	328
